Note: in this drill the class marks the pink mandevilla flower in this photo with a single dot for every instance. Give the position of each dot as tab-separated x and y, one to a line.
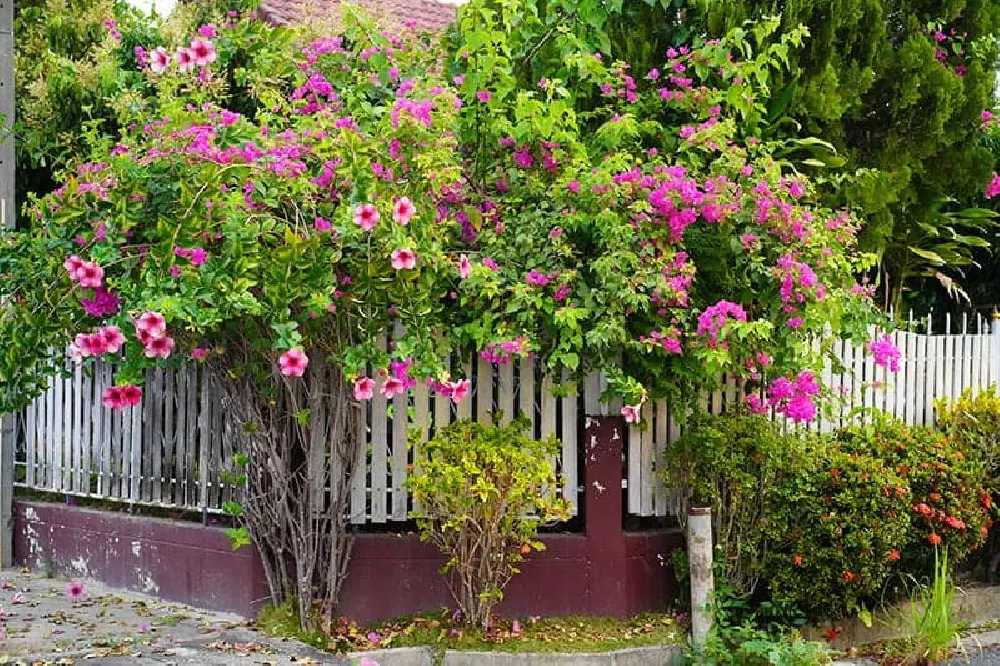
152	324
160	347
459	390
464	267
366	216
203	52
159	60
185	59
631	413
404	259
392	387
364	388
90	275
293	363
75	590
403	210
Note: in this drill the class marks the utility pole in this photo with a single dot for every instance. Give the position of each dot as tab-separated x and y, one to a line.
8	217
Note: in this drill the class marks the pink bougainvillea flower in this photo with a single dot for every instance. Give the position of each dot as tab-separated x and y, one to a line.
185	59
153	324
75	590
322	224
203	52
103	304
198	256
90	275
631	413
993	189
293	363
459	390
160	347
364	388
464	267
403	210
159	60
484	96
199	353
392	387
885	353
366	216
404	259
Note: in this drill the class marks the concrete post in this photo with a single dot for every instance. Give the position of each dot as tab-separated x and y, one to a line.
699	536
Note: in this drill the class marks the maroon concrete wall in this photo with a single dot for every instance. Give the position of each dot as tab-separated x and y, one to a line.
602	572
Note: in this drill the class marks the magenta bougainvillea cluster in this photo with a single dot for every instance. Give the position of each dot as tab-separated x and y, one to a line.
382	189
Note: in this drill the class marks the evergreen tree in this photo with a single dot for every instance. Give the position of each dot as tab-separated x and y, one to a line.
898	87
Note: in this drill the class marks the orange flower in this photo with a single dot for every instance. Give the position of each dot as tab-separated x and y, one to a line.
934	497
933	539
835	473
848	576
894	555
525	549
797	560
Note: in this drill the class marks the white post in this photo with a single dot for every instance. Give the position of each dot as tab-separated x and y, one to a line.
699	541
995	350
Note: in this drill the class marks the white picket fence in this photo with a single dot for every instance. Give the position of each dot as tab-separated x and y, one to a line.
170	451
931	367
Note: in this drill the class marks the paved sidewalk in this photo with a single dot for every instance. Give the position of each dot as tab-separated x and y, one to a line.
47	621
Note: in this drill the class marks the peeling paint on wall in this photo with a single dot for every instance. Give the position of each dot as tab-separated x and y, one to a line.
79	565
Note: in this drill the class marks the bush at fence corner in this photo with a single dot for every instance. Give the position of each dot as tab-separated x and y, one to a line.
481	493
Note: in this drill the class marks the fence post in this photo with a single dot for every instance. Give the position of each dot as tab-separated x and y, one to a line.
7	219
995	349
608	593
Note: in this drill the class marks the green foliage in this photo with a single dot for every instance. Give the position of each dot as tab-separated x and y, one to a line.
933	631
898	88
833	530
973	422
742	636
483	491
734	463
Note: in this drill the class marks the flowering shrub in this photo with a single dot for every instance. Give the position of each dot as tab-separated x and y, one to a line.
836	534
869	513
482	493
277	219
949	503
973	422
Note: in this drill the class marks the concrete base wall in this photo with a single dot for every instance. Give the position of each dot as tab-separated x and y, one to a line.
602	572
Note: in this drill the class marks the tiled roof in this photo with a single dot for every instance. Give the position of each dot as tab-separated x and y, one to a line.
425	14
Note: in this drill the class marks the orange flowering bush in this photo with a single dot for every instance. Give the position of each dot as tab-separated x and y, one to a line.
948	499
836	534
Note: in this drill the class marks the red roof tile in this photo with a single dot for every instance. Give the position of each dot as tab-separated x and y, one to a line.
425	14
